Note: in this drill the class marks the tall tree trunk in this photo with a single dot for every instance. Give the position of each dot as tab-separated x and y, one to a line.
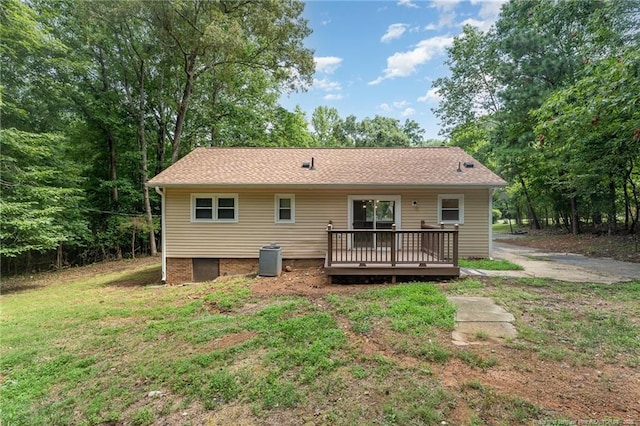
611	219
111	143
161	121
190	62
532	212
575	218
133	243
160	142
113	167
145	167
59	256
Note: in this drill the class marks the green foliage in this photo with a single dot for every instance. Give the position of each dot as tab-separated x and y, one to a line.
546	98
332	131
40	198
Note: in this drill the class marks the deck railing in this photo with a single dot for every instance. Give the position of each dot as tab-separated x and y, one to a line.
394	247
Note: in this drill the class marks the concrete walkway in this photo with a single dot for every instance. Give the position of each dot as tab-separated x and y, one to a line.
479	319
560	266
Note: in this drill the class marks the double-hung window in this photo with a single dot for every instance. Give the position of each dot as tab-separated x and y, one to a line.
214	207
285	208
451	208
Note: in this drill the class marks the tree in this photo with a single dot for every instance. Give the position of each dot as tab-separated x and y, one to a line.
208	37
472	90
326	123
40	199
414	132
130	86
598	118
382	132
289	129
500	78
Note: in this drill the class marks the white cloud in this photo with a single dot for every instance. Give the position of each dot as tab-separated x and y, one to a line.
488	14
400	104
445	5
327	85
333	97
403	64
446	13
432	95
481	25
327	64
407	3
408	112
394	31
385	107
489	9
376	81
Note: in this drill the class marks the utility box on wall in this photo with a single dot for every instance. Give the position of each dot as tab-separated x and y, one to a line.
270	264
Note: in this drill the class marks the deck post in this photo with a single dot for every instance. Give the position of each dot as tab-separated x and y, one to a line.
441	243
455	244
329	243
393	245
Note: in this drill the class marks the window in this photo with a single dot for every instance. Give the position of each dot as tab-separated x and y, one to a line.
451	208
285	209
214	207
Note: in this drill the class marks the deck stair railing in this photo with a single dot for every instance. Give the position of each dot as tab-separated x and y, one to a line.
429	245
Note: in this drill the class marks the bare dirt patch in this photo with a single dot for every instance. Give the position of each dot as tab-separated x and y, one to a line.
229	340
585	393
312	281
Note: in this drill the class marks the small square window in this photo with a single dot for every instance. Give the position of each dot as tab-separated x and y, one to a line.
204	208
226	208
285	209
451	209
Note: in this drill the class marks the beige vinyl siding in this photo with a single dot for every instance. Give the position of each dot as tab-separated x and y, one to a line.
314	208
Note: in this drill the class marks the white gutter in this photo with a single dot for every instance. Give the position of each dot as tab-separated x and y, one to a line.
164	234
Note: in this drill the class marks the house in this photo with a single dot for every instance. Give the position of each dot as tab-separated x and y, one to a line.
394	211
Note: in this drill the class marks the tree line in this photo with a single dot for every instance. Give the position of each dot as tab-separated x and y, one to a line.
549	97
99	96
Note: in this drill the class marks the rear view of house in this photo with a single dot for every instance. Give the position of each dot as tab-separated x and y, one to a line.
392	211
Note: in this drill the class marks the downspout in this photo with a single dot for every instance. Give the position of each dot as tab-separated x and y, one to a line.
164	234
491	192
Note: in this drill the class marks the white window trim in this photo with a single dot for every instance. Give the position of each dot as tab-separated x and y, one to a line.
460	198
214	197
277	199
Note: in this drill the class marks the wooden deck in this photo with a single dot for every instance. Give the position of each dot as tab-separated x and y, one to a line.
426	252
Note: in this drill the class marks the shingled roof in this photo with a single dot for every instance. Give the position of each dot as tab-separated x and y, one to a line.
434	166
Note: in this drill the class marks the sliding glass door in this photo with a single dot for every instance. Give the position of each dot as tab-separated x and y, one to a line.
375	213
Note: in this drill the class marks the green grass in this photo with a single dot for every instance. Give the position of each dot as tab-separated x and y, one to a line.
579	325
491	265
415	308
502	227
88	351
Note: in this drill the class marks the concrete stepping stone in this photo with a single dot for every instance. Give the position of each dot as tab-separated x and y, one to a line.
479	319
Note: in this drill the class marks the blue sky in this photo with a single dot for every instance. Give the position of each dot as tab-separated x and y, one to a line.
381	57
